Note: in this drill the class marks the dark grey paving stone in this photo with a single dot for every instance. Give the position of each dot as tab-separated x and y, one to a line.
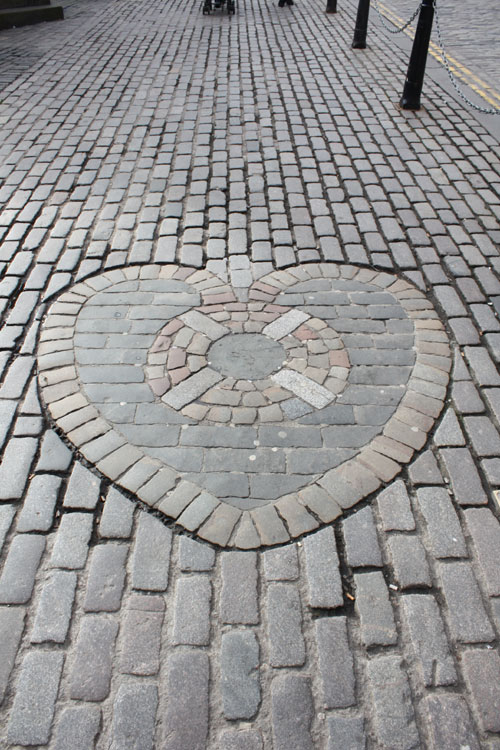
409	561
151	554
449	722
77	728
106	578
443	527
292	712
375	610
90	676
240	686
284	622
324	584
466	614
482	676
346	732
191	624
361	542
185	720
336	663
245	739
239	595
140	635
281	564
394	721
485	534
395	508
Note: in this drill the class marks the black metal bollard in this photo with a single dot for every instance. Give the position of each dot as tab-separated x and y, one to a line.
416	68
331	6
359	38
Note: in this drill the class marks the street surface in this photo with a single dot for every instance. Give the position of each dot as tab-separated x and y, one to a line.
249	386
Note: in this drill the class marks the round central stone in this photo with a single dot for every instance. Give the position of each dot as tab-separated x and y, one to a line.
246	356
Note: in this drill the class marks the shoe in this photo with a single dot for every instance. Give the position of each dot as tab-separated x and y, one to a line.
281	3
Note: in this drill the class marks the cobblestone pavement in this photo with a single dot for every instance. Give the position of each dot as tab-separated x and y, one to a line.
250	395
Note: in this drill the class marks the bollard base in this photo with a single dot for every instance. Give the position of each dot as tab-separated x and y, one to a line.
358	45
331	6
411	96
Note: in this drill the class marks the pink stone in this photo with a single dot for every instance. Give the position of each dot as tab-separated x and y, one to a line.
159	386
303	334
255	294
172	327
161	344
180	374
339	358
176	358
219	298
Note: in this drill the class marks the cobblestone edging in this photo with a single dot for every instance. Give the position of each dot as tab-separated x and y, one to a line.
346	370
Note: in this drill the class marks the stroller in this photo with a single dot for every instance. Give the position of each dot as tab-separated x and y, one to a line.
210	5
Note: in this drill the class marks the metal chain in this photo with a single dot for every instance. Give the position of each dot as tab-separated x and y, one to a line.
390	29
484	110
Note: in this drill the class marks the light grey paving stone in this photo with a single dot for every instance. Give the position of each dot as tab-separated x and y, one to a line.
292	712
304	388
117	516
54	455
394	721
106	578
443	527
284	621
449	432
151	555
54	608
346	732
428	639
395	508
409	561
83	489
11	630
31	715
322	570
240	686
134	713
374	610
7	513
484	530
15	467
7	412
449	722
285	324
90	675
360	535
424	470
141	635
195	556
72	539
37	513
336	663
281	564
191	625
185	718
191	388
20	568
466	614
482	677
464	478
245	739
77	728
239	597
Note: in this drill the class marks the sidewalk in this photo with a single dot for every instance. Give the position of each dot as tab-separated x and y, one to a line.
250	396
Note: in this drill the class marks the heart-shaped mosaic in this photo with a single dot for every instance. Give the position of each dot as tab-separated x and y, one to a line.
249	416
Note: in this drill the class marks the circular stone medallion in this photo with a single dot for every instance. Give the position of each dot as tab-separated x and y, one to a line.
248	422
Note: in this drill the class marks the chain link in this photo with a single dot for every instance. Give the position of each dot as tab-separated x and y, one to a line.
484	110
390	29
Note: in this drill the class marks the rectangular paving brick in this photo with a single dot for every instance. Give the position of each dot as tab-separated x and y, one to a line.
140	635
185	716
394	721
191	624
31	715
292	711
77	728
360	535
428	639
72	539
239	683
90	676
117	516
443	526
375	610
53	615
466	614
38	509
83	489
106	578
15	467
484	530
239	597
151	554
336	663
324	584
409	561
11	629
346	732
482	676
449	722
134	714
284	621
20	568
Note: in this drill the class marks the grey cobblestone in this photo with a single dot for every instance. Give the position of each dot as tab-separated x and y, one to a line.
409	561
141	635
467	617
362	548
284	616
20	568
322	570
394	720
482	675
346	732
239	678
11	629
238	600
82	490
292	712
449	722
192	611
39	505
151	555
91	669
134	712
106	578
53	615
185	719
33	709
335	663
77	728
485	533
375	610
443	526
16	463
117	516
71	543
